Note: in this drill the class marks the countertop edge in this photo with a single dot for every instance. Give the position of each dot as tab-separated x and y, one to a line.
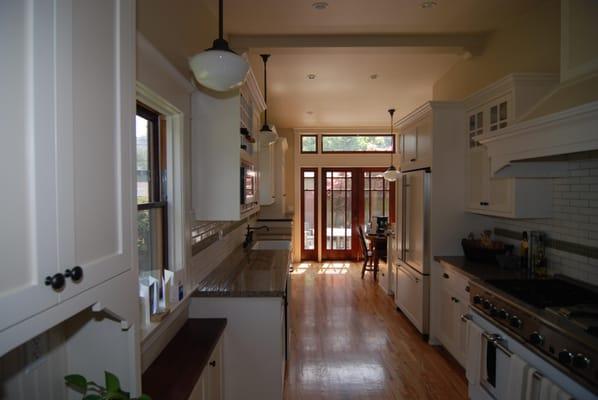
174	383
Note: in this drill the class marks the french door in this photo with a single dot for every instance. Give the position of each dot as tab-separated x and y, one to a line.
339	213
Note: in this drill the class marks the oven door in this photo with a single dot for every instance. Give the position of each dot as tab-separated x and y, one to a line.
491	361
493	383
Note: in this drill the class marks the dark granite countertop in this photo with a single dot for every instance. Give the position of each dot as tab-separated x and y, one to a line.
248	273
173	375
477	270
480	273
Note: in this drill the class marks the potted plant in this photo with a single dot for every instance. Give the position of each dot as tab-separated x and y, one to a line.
93	391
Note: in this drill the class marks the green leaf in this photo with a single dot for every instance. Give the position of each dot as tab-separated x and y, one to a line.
112	383
117	396
77	382
144	397
93	397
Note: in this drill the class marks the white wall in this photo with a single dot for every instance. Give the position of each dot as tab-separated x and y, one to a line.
575	218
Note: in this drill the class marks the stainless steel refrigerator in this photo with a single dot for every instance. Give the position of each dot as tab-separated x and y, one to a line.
412	255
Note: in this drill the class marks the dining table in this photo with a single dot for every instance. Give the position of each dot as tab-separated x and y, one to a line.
377	242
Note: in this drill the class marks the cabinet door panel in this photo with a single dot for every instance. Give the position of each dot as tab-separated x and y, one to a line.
28	240
501	192
96	198
213	384
478	170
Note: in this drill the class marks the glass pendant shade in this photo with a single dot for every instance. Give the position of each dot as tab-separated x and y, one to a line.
268	134
391	174
219	69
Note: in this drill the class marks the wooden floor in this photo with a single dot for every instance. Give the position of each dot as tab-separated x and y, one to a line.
349	342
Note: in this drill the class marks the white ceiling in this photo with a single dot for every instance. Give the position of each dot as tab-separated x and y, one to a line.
365	16
342	95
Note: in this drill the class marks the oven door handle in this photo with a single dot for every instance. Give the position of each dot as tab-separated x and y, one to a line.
497	340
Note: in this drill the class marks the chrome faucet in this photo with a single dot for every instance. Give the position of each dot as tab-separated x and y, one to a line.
249	234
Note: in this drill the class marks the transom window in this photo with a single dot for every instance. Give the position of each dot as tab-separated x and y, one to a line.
358	143
309	143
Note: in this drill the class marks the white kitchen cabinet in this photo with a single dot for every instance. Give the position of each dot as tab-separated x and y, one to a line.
274	183
267	174
416	143
454	302
216	153
496	108
209	384
67	155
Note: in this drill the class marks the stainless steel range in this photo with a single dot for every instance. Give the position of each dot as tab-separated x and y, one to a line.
555	318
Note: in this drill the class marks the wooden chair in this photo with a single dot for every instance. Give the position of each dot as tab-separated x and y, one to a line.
368	256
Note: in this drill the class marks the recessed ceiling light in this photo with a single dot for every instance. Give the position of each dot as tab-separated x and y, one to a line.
428	3
311	76
374	76
320	5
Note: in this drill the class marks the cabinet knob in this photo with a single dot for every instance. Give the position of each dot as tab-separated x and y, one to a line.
76	273
413	160
445	275
213	363
56	281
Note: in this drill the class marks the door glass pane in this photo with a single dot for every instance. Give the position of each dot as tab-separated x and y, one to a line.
338	219
338	210
309	219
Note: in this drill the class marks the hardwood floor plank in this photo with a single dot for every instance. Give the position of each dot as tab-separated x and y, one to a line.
349	342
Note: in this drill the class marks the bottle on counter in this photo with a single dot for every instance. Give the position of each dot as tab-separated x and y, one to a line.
524	252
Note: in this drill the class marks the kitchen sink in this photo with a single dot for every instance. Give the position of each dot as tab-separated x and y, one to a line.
272	245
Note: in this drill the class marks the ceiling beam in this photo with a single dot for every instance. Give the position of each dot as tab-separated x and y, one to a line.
472	43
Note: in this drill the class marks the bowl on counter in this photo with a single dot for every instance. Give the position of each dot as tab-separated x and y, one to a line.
476	250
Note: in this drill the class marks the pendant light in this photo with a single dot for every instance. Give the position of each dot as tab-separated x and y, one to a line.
267	133
219	68
391	174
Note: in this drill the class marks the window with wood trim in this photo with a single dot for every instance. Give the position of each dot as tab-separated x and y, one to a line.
358	143
376	196
309	143
152	226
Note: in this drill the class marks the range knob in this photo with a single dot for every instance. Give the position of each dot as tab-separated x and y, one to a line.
503	314
580	361
486	304
565	356
536	339
477	300
515	322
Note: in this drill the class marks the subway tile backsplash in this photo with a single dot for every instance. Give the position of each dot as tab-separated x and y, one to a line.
574	220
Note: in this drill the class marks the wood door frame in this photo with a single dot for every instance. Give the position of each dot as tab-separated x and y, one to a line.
341	254
391	198
311	255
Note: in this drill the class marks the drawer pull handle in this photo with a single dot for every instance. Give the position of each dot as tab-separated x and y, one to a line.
213	363
76	274
56	281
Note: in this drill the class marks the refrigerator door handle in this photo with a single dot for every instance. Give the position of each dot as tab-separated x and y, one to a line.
408	273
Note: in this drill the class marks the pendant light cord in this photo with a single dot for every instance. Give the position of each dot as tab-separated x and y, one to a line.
221	19
265	58
392	113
